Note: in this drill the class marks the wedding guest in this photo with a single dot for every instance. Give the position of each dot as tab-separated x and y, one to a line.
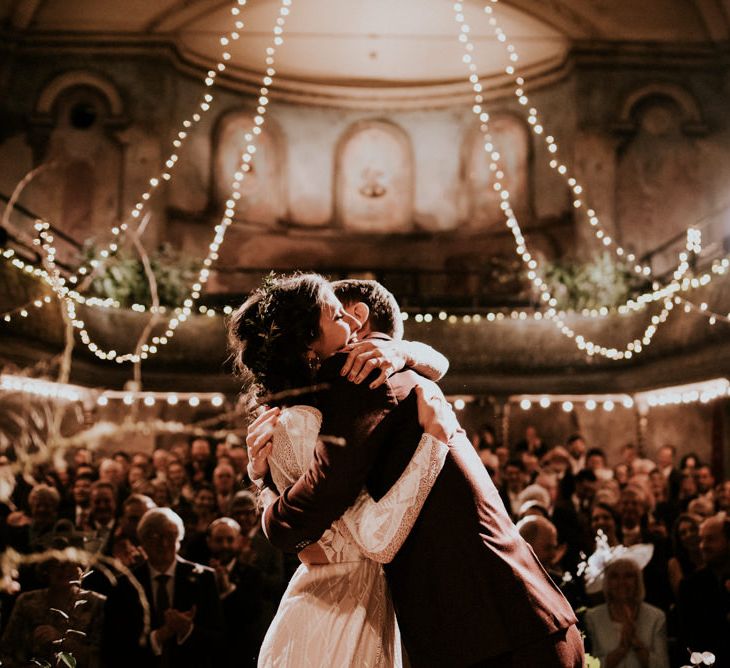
636	528
201	466
704	602
257	551
186	621
34	533
722	496
113	473
542	536
485	443
81	494
180	450
124	460
666	460
631	456
705	483
596	462
532	442
125	544
240	591
180	490
605	518
160	460
577	448
205	510
102	518
626	632
513	482
689	462
58	617
224	482
686	548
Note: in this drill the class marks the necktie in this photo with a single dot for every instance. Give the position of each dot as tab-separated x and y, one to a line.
162	601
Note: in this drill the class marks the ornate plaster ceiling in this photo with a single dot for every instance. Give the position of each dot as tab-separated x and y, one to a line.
378	43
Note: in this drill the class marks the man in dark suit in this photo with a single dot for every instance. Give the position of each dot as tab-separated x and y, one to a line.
468	591
704	596
175	620
241	593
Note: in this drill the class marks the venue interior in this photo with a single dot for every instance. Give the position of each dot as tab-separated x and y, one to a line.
544	185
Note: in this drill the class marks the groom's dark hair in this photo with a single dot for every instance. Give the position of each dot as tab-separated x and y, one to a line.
385	314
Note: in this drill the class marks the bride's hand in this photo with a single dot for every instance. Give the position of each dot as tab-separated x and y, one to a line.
366	356
259	442
435	414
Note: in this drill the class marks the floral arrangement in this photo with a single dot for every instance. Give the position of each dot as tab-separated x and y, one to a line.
602	281
701	659
123	277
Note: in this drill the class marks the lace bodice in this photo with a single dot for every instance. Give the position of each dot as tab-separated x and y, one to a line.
368	529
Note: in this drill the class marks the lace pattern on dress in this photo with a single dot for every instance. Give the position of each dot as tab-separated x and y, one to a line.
368	529
381	527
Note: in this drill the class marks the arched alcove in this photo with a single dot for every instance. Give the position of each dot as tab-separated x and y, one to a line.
660	169
263	189
73	129
511	139
374	178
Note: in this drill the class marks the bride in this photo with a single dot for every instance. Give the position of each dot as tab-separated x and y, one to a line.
336	610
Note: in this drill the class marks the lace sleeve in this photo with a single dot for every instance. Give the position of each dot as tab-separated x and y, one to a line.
294	439
380	527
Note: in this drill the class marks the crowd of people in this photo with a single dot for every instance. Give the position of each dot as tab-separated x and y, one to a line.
658	528
187	513
182	527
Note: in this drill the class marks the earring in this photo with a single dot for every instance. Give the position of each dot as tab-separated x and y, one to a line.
312	361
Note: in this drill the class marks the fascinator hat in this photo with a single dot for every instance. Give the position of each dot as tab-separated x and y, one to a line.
593	568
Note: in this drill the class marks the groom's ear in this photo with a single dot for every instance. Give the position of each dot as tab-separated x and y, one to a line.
361	311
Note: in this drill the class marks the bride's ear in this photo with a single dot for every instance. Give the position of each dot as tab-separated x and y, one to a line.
361	311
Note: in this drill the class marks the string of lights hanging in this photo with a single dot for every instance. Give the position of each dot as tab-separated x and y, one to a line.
679	283
57	282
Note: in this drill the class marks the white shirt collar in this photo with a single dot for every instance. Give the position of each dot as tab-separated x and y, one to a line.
170	571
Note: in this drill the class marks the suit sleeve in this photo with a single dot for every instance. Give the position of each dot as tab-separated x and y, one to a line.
350	439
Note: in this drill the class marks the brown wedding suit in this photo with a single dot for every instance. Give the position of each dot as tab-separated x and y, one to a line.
467	589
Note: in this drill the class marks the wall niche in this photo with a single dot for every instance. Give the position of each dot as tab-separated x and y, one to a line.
374	179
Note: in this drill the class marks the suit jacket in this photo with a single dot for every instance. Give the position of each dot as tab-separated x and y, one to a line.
123	642
466	587
243	623
704	612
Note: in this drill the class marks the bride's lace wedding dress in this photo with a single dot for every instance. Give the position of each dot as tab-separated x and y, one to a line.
340	614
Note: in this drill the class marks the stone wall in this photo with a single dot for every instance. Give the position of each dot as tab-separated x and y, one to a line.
332	187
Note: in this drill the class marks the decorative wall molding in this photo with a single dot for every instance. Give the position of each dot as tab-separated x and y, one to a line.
73	78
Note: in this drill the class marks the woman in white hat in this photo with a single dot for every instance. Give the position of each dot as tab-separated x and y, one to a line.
625	632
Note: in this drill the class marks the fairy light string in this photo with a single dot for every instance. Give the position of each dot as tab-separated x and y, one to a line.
182	314
202	107
589	347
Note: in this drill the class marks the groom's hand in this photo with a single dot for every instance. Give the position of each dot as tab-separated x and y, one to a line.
366	356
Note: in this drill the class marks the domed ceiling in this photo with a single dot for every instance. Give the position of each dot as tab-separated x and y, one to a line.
355	47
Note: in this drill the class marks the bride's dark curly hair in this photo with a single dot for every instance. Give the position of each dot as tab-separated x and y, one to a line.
270	333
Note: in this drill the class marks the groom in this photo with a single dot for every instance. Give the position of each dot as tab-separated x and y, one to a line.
468	591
